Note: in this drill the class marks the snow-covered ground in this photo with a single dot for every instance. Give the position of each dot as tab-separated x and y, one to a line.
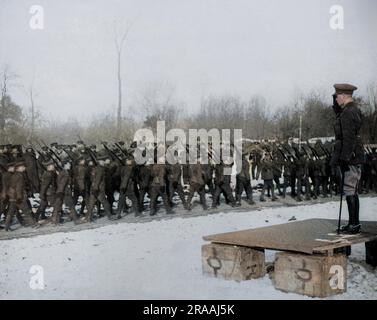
158	259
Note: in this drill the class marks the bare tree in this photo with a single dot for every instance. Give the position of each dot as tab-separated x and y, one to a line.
34	114
157	103
7	80
368	106
119	40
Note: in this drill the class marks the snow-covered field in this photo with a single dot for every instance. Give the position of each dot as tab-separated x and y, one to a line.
158	259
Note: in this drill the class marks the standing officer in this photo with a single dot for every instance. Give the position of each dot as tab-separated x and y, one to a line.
348	154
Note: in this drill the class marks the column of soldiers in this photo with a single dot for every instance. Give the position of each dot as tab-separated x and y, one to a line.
85	181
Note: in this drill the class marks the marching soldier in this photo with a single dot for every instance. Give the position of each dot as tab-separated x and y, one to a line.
144	179
32	170
243	181
267	176
174	175
5	183
81	183
47	190
288	168
97	190
63	194
18	198
158	187
128	187
197	184
222	183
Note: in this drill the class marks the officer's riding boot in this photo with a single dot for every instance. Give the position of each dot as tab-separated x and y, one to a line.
357	226
353	225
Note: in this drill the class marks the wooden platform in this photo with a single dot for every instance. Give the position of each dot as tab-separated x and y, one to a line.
313	236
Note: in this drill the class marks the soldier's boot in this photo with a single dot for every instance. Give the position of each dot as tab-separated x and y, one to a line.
185	205
284	191
261	198
229	196
55	218
249	195
278	187
108	212
89	213
73	214
298	197
353	225
250	201
182	197
8	221
189	201
203	200
238	199
40	215
273	197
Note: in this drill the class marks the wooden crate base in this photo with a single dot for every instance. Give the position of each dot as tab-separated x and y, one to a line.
371	253
232	262
312	275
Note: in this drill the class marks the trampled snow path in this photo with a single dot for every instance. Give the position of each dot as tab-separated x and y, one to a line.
158	259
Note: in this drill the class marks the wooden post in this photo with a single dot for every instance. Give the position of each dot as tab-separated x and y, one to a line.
371	253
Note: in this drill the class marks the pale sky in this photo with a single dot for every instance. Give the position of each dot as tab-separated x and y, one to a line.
200	47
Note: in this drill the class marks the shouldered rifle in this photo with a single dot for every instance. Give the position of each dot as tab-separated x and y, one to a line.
52	151
125	153
112	154
283	154
69	154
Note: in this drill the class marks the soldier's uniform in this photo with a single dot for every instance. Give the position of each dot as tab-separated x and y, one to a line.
288	168
5	183
197	184
158	188
144	179
18	199
374	170
222	183
32	170
110	173
243	181
63	195
47	190
348	152
97	192
302	174
255	156
174	174
208	170
128	187
267	176
277	170
81	183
